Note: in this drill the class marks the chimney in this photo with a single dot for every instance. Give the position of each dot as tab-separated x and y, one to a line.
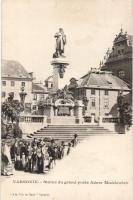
31	75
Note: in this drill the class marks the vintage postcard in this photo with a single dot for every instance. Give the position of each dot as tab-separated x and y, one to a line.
66	100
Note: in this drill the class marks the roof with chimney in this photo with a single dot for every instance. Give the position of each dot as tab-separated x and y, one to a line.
103	80
13	69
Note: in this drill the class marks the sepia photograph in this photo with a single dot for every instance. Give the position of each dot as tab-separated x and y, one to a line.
66	100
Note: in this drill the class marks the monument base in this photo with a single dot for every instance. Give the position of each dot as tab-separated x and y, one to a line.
63	120
59	65
61	61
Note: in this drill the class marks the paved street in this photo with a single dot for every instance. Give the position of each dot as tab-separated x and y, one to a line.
83	172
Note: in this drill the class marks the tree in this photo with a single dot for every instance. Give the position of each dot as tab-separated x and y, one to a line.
11	110
127	114
10	131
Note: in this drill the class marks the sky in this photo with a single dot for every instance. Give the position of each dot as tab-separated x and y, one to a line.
28	28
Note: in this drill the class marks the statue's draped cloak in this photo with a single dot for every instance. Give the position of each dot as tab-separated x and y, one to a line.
60	42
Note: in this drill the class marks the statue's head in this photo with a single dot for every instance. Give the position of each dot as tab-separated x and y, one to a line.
61	30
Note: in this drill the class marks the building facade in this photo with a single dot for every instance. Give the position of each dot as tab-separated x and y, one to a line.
99	91
119	58
14	77
93	94
39	93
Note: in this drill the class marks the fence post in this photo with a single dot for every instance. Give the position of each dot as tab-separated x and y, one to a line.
92	119
45	120
100	120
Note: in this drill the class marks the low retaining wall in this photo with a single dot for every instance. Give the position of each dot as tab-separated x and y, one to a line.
110	126
31	123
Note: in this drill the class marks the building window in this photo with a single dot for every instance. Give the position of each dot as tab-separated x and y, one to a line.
106	103
119	52
106	92
12	94
79	92
34	96
93	91
121	74
41	96
3	83
3	94
46	84
28	107
12	83
93	103
23	84
34	108
122	51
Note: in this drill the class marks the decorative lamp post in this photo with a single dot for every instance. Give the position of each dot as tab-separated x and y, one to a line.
22	96
11	96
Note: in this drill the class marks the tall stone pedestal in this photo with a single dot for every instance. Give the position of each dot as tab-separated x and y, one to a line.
80	111
51	113
59	65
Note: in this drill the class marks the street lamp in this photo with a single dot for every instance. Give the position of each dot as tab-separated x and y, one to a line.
22	95
11	96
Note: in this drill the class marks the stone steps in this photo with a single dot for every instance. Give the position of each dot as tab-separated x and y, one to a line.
72	126
57	135
66	132
70	130
66	136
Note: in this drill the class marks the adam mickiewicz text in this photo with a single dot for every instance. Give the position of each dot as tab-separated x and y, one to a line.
71	182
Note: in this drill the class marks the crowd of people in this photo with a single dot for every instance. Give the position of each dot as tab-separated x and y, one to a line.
34	156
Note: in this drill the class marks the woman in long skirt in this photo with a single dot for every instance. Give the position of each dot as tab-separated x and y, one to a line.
23	161
69	148
45	158
28	167
18	162
7	167
34	159
39	160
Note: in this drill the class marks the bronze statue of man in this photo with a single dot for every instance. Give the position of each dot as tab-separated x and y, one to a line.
60	43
